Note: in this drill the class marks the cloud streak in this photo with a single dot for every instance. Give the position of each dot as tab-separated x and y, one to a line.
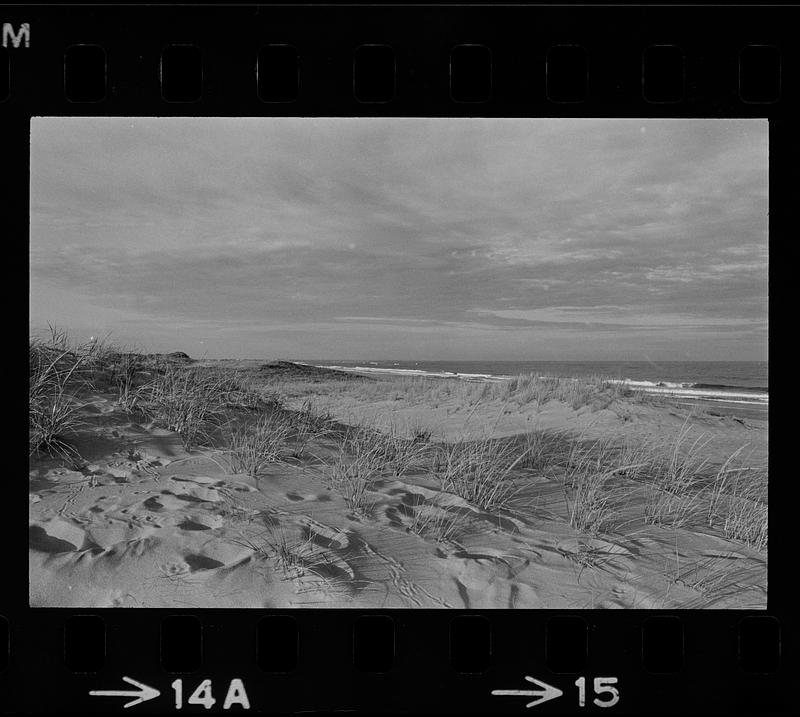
405	238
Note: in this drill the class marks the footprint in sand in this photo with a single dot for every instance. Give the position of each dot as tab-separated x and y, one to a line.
56	536
153	504
243	488
195	494
174	569
105	504
197	563
318	497
200	522
165	501
200	480
325	535
39	539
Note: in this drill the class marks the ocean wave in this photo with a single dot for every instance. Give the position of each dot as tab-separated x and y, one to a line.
688	389
419	372
762	389
676	389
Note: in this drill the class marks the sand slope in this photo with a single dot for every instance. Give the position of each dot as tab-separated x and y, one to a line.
147	524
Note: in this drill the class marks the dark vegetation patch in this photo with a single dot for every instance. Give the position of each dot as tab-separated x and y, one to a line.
293	371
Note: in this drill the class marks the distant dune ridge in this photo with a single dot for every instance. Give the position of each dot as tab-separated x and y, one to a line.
157	480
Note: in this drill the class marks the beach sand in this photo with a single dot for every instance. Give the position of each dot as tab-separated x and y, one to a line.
143	521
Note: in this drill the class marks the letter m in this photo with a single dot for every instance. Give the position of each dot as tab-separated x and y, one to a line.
16	38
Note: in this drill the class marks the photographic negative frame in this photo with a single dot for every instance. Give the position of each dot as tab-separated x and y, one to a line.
279	68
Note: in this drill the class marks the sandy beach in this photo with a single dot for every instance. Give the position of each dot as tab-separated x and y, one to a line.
293	486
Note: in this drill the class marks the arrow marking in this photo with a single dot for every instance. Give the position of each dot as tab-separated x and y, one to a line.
546	693
144	693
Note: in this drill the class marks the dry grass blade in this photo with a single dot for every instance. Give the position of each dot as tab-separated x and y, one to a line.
55	379
187	401
435	522
745	513
674	497
479	471
252	447
352	474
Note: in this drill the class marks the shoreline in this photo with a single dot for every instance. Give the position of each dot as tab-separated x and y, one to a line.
684	390
311	487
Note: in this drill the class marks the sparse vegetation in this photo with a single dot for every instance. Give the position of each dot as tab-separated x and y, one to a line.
738	501
352	473
674	496
60	374
187	401
304	432
126	374
55	374
543	450
253	446
435	522
479	471
521	390
608	490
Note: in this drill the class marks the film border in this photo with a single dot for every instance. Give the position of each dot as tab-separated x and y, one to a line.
422	677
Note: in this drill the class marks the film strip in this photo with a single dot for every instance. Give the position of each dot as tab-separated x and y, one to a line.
391	61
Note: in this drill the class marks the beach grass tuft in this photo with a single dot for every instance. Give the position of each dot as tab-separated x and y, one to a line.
479	471
187	401
674	496
253	446
58	374
352	472
433	521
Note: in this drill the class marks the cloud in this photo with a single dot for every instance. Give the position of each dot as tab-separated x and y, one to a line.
437	228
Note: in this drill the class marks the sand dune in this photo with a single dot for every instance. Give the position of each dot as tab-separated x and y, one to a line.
144	522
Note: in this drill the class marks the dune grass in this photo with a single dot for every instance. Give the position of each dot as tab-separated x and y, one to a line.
738	502
595	391
596	484
747	520
188	402
61	371
480	471
55	374
127	375
254	446
293	552
544	449
304	433
244	394
600	478
674	496
352	472
433	521
388	450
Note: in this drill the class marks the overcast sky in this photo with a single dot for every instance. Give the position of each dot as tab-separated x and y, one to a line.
404	238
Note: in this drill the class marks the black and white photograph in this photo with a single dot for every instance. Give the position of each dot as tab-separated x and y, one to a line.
312	362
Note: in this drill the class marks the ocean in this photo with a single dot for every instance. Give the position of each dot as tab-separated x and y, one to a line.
730	382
